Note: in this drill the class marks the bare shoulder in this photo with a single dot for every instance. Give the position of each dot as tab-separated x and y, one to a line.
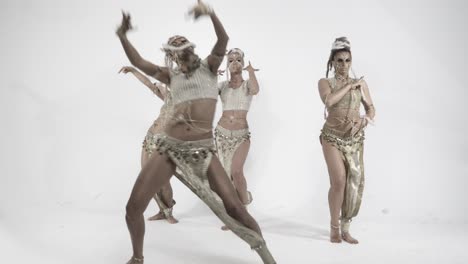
323	83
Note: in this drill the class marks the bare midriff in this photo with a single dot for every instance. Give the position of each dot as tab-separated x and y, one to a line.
234	119
343	122
191	120
157	127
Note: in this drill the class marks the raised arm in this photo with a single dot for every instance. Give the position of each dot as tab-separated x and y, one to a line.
252	83
142	78
217	53
367	101
330	98
160	73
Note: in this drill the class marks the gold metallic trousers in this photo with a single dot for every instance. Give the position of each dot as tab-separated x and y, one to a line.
351	150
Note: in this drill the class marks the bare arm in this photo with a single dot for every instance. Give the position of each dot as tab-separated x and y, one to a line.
219	49
367	101
142	78
253	83
330	98
217	53
160	73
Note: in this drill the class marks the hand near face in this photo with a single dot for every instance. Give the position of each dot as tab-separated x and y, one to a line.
249	68
357	84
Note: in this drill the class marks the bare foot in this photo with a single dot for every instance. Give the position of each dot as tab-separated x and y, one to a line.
134	260
348	238
158	216
171	219
225	228
335	234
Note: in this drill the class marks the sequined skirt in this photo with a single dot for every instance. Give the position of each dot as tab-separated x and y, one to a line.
342	143
191	156
149	143
227	142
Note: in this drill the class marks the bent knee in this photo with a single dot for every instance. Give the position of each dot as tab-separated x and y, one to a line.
133	209
235	211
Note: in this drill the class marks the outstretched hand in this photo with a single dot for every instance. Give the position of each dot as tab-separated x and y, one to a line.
126	69
249	68
221	72
125	26
201	9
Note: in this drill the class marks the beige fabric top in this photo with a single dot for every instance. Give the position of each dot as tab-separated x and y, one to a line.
235	98
201	84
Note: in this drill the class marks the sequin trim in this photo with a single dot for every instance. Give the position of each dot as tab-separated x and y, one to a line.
339	141
187	151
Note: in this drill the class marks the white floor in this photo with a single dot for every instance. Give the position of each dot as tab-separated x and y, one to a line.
72	235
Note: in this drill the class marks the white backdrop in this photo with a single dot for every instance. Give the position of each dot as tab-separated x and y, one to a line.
72	127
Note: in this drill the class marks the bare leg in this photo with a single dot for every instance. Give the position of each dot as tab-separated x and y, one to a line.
220	183
156	173
144	157
165	203
163	198
209	181
237	174
160	215
237	171
337	173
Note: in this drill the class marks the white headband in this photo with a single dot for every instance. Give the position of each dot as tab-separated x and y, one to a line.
339	44
169	47
236	50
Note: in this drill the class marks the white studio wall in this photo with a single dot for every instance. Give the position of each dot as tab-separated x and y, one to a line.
72	127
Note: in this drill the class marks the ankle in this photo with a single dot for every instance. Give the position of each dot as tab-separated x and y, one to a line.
137	260
334	227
